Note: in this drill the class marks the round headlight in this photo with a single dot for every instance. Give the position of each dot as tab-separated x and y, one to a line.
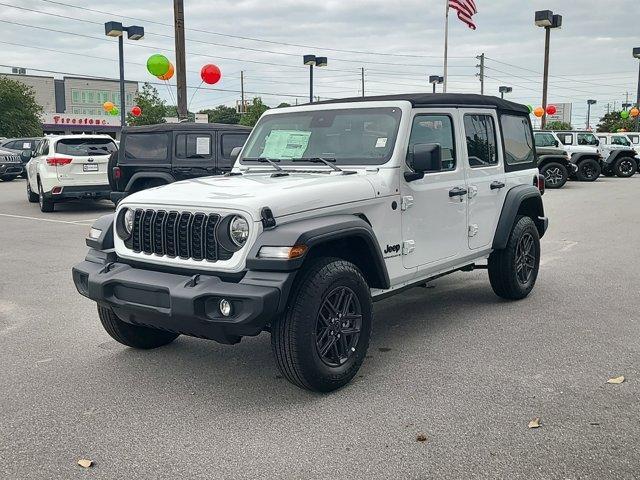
128	220
239	230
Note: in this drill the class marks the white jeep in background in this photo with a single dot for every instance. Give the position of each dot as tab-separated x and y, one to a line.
584	152
329	207
66	167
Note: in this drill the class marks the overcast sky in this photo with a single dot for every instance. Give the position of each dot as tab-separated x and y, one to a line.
591	53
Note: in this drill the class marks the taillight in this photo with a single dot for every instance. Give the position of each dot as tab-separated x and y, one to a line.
58	161
117	173
538	181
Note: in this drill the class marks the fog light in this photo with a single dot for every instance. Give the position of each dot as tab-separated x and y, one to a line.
225	307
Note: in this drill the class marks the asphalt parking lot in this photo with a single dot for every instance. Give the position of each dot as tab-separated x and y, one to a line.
451	362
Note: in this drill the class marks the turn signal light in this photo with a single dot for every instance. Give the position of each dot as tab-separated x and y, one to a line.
538	181
59	161
282	253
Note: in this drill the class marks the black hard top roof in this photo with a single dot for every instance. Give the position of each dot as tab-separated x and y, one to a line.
189	126
442	100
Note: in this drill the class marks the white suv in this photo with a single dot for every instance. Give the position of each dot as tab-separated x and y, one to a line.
330	206
65	167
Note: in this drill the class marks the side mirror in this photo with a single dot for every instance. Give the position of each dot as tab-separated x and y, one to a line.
425	158
235	152
25	155
597	142
556	143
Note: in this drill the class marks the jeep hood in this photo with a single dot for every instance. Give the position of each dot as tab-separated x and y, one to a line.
285	195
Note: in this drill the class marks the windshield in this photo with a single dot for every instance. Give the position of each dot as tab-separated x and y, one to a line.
587	139
84	147
545	140
350	137
620	140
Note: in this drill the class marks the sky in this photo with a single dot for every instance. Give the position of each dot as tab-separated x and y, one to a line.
399	44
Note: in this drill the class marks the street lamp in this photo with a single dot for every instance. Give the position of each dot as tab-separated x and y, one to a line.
134	32
636	54
504	90
589	103
435	80
313	61
547	20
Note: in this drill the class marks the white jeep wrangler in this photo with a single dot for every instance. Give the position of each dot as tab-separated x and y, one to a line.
330	206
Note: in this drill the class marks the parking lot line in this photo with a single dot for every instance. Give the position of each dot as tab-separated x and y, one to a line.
76	222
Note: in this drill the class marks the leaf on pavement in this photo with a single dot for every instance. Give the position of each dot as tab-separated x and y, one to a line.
84	463
616	380
421	438
535	423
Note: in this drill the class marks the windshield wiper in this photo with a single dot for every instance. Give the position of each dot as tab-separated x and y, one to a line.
264	160
326	161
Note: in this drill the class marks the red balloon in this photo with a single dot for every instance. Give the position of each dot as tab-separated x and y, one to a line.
136	111
210	74
551	109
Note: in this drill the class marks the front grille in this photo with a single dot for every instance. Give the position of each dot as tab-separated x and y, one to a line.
10	159
177	234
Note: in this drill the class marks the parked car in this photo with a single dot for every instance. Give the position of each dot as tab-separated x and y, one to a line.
10	164
22	144
66	167
554	163
620	141
155	155
330	206
583	148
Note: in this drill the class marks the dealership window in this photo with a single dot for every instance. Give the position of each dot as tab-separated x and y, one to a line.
482	146
193	146
129	98
77	110
104	96
434	129
75	96
518	142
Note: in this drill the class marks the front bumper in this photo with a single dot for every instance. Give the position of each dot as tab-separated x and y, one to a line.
186	304
93	192
11	169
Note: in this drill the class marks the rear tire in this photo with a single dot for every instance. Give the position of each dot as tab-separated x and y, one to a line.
46	204
31	197
555	175
625	167
133	336
514	270
322	338
588	170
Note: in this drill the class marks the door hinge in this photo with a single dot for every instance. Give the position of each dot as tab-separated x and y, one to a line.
408	246
473	191
473	229
406	202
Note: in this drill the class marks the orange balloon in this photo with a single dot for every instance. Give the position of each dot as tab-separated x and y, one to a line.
634	112
169	74
108	106
538	112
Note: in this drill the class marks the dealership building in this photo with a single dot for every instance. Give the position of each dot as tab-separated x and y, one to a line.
74	104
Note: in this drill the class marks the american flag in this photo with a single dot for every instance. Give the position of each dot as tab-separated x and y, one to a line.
466	10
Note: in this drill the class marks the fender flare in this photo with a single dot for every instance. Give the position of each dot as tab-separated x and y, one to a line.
314	232
105	239
148	175
512	202
543	159
579	156
616	154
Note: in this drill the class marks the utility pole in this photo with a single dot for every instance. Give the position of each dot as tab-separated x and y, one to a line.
363	81
608	108
481	74
241	92
545	83
181	73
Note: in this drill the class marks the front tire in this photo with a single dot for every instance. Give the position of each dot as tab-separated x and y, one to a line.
588	170
555	175
322	338
514	270
133	336
625	167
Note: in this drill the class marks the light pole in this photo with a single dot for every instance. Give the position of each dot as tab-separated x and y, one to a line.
504	90
435	80
589	103
313	61
547	20
636	54
134	32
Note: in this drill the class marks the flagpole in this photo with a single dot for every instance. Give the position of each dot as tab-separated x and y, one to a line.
446	45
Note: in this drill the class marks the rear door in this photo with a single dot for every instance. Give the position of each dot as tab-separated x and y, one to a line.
227	142
82	160
194	154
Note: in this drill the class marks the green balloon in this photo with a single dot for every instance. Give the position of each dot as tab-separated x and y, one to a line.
530	108
158	64
114	111
624	114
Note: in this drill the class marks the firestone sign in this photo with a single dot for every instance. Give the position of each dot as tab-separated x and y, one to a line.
70	119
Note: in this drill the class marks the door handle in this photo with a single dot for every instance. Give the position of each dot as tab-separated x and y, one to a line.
497	185
457	192
183	169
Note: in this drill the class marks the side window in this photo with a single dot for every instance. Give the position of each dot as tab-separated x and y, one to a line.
566	138
230	141
518	141
481	140
434	129
604	141
45	148
193	145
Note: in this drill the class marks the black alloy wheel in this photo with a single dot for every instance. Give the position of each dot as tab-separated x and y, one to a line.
525	258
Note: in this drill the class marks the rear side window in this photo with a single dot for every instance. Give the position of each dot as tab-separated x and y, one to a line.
518	141
231	141
566	138
85	147
193	145
434	129
480	132
634	138
147	146
544	140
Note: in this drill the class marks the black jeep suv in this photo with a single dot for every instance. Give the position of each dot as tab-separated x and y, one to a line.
155	155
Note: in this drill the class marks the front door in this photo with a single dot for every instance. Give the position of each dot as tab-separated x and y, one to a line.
434	217
486	179
194	155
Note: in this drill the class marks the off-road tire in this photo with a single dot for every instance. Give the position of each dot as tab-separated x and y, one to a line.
588	170
133	336
294	335
504	264
555	175
8	178
32	197
625	167
46	204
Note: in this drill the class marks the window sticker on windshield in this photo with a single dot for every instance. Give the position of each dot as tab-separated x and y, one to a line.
286	144
26	145
381	142
203	145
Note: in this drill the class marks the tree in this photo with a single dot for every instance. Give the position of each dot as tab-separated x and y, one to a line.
612	122
152	106
284	104
254	111
557	125
19	111
222	114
